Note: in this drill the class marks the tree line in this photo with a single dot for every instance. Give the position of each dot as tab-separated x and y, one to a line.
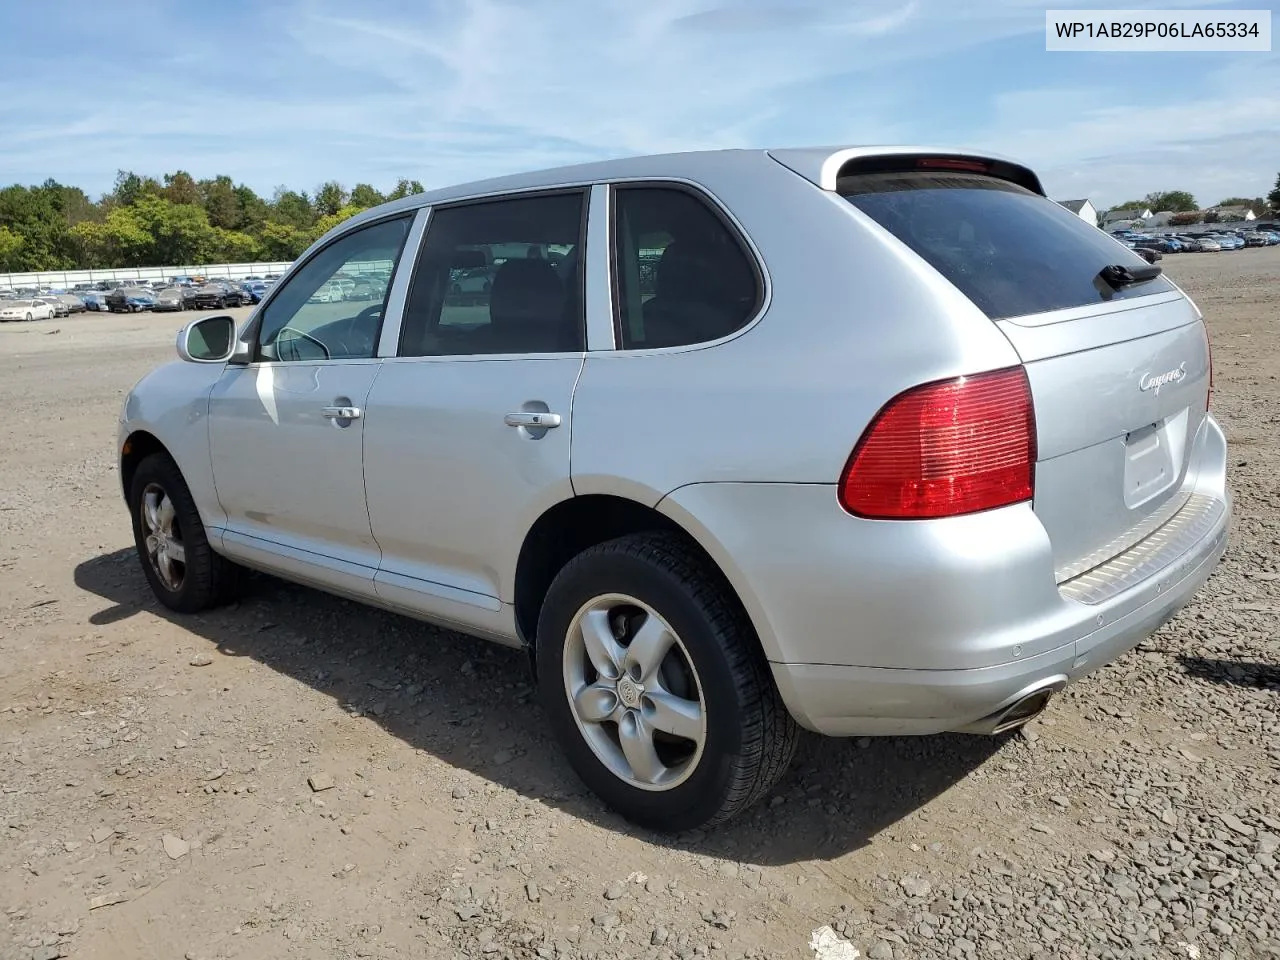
174	220
1183	204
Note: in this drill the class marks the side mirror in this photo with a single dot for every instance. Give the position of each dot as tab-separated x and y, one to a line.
207	340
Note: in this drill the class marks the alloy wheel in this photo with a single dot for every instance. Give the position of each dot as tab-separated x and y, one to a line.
634	692
165	550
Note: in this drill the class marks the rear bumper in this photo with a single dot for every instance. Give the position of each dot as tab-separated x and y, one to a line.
887	628
869	701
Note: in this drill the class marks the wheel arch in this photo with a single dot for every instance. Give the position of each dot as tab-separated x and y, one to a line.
571	526
139	445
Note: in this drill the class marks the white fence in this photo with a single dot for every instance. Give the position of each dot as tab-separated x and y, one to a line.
68	278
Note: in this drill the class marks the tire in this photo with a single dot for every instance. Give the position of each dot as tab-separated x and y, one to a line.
201	579
713	671
30	318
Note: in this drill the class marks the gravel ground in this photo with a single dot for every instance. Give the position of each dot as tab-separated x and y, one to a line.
300	777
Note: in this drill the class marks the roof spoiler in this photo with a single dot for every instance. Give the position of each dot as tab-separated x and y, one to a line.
824	166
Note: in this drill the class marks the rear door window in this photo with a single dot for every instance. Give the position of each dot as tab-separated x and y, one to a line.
681	273
1009	250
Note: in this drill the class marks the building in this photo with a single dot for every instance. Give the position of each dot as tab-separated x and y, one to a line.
1082	209
1125	213
1233	214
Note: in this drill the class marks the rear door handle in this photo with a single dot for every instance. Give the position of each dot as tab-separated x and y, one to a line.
341	413
534	420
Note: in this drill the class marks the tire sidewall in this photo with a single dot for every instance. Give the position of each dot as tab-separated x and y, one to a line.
699	797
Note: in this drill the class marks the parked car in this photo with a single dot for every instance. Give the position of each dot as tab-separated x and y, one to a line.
26	309
129	300
331	291
73	303
1255	240
211	295
169	299
60	309
1149	254
1209	245
365	288
1189	244
95	300
959	481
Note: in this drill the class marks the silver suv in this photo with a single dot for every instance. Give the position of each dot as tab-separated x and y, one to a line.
863	441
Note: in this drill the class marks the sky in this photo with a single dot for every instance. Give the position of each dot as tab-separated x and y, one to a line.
297	92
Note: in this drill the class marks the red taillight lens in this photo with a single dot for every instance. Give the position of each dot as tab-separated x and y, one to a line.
950	163
947	448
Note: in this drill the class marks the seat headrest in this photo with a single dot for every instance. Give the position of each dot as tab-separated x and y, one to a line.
526	291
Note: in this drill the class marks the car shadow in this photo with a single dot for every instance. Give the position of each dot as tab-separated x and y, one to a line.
472	704
1235	673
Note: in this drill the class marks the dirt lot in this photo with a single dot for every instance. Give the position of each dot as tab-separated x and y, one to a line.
154	770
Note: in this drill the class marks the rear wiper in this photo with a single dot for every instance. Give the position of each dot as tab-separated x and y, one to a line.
1121	276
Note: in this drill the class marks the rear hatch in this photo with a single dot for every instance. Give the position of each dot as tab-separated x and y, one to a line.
1117	358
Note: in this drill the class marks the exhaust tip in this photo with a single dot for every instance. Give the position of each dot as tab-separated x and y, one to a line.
1025	710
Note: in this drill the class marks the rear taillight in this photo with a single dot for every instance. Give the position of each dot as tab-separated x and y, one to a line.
951	163
946	448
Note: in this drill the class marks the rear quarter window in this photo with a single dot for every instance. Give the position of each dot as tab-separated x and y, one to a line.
1012	252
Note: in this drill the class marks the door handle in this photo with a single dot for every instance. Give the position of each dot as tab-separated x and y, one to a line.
533	420
341	413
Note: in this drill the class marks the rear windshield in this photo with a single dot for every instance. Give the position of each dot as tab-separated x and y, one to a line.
1010	251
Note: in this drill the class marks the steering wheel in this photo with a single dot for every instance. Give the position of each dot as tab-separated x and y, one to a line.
364	344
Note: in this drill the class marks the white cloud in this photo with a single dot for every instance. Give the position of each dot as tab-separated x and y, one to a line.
1109	145
450	90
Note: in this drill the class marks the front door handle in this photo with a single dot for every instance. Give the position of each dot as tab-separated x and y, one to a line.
341	413
532	420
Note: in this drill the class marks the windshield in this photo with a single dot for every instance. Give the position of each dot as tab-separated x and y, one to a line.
1012	252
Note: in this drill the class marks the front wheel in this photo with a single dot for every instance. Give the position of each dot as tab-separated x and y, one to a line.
656	687
30	318
184	572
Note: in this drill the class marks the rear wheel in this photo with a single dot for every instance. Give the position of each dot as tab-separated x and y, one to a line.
184	572
656	687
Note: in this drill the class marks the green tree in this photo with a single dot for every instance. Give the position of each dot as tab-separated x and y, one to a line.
1174	201
363	195
220	202
253	209
180	187
330	198
405	188
282	241
36	215
1273	197
325	224
130	187
76	205
232	246
10	250
292	208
